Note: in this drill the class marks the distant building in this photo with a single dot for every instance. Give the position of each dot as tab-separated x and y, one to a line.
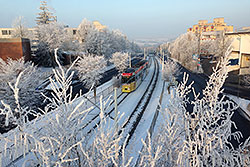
6	38
15	48
218	24
6	32
99	26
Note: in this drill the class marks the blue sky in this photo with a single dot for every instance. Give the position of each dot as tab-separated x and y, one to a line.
135	18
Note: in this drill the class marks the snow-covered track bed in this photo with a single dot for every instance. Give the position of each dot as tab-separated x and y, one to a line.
129	126
95	121
121	98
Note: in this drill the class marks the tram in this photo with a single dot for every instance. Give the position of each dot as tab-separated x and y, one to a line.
132	77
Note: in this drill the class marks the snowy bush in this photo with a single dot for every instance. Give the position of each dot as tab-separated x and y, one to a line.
150	156
120	61
9	72
57	138
200	137
55	143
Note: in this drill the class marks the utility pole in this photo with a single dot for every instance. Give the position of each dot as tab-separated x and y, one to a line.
116	121
144	54
199	40
116	110
163	61
130	63
199	44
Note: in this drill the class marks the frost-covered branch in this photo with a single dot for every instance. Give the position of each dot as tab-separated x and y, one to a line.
90	68
120	60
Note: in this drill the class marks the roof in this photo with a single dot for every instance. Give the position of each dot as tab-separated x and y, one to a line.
237	33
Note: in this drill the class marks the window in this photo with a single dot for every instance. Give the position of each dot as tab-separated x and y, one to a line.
233	62
132	79
125	79
74	32
10	32
4	32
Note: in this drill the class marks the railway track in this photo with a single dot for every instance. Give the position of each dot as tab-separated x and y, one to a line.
129	126
120	98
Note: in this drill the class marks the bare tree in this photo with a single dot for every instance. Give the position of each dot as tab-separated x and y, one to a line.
20	30
221	45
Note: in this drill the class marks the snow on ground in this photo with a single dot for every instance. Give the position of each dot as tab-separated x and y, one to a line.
243	103
135	144
125	109
105	90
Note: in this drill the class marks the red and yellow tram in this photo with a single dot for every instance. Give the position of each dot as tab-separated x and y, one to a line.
132	77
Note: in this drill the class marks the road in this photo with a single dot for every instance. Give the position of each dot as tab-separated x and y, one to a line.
241	122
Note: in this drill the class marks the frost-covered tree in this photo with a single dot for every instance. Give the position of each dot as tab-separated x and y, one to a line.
103	42
246	80
84	28
90	68
8	73
201	137
57	138
45	16
183	48
207	47
52	36
119	41
221	45
120	61
28	96
20	30
95	43
171	69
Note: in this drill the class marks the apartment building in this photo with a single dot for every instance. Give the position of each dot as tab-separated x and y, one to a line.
240	56
218	24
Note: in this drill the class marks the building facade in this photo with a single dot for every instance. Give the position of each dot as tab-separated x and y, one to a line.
99	26
6	32
218	24
15	48
239	59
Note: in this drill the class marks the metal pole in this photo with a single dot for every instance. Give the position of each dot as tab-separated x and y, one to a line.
130	64
116	123
116	111
162	60
144	53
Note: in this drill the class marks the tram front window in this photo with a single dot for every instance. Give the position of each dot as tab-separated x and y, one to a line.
132	79
125	79
128	79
